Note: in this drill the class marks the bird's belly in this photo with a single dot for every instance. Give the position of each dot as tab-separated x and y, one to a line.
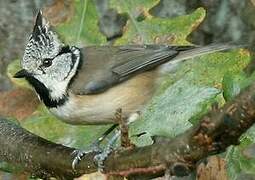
130	96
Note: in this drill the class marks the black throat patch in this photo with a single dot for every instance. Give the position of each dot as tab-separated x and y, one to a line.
44	93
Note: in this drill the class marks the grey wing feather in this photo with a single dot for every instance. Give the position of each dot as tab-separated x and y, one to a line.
145	58
107	66
142	63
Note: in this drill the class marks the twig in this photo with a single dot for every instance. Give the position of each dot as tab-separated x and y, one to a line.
124	137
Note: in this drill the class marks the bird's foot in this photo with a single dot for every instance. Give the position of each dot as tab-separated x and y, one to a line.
79	154
102	156
93	148
122	134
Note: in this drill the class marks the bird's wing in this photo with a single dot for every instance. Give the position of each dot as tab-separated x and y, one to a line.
141	58
106	66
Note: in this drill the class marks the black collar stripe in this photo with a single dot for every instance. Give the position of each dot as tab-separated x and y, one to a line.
45	94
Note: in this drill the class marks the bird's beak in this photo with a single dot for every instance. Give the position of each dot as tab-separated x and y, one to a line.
21	74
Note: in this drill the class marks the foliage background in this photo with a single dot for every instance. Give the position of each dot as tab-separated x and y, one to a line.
185	94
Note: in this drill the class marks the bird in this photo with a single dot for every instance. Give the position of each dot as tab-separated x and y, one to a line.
87	85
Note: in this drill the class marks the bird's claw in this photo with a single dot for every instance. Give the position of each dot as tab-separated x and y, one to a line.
95	148
79	154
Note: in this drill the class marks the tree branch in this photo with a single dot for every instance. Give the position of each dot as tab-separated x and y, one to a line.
216	131
38	156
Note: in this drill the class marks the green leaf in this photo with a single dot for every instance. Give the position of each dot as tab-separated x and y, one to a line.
231	85
169	113
153	29
82	27
237	162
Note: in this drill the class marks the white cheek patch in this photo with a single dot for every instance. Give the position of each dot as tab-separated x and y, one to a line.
58	90
59	74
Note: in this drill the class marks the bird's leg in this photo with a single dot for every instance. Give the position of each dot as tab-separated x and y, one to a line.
94	147
101	157
122	134
104	135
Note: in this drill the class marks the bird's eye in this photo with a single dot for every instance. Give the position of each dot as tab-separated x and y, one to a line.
47	62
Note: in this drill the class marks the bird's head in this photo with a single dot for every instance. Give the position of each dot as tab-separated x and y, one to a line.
47	61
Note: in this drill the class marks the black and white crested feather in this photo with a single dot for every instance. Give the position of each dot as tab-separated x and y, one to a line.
49	64
43	43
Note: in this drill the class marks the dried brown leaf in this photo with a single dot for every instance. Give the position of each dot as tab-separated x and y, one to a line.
214	169
60	11
19	103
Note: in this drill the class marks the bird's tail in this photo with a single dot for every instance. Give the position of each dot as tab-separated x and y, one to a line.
198	51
